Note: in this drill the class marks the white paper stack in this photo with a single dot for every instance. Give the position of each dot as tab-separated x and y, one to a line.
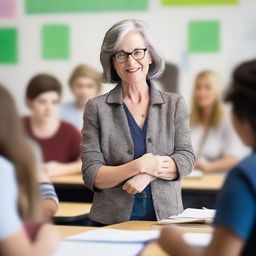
190	215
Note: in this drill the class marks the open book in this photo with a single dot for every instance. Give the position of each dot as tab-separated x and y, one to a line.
190	215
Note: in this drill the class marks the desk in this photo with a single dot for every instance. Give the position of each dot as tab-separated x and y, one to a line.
196	192
212	181
72	213
73	209
71	188
152	249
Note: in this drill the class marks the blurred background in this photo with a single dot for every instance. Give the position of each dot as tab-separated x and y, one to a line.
54	36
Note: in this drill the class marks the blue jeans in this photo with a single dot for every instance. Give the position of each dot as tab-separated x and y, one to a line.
143	208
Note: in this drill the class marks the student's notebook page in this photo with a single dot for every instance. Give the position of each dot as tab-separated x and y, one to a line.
191	215
107	242
109	235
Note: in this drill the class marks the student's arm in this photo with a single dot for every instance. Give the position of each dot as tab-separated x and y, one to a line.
224	163
224	242
53	168
18	243
50	200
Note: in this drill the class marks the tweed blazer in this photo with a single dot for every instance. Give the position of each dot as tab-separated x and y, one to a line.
107	141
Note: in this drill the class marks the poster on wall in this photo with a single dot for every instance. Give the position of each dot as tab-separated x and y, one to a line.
204	37
55	42
7	8
198	2
8	46
68	6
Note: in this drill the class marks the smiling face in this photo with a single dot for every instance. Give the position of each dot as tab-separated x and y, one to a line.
133	71
45	106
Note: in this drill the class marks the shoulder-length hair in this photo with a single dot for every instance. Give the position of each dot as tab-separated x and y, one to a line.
112	40
15	147
218	110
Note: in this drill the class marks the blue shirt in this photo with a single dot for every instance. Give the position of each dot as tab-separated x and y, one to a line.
143	208
71	113
236	208
10	221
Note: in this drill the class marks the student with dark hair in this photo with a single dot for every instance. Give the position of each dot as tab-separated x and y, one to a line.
19	196
235	220
59	140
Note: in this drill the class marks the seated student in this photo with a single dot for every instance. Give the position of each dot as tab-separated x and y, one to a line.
85	83
215	142
235	220
50	201
19	196
59	140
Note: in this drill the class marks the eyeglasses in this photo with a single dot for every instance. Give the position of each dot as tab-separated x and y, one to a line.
122	56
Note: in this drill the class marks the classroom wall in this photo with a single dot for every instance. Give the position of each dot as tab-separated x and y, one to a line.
170	24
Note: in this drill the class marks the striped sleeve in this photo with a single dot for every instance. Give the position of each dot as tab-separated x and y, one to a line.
48	192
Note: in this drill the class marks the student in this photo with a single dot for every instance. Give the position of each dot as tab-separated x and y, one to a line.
50	201
85	83
59	140
216	144
235	220
19	195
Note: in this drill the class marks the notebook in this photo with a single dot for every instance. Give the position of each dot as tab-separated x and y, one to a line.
190	215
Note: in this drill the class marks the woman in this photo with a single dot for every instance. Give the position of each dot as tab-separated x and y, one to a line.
19	195
85	83
216	144
235	220
136	140
59	140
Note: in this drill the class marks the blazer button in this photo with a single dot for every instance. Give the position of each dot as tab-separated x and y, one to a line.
149	140
129	152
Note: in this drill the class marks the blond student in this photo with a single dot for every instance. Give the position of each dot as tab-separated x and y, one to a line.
215	142
235	220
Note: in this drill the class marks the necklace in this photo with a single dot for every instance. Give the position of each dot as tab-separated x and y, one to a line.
142	115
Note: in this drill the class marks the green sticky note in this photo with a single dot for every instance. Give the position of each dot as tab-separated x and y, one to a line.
198	2
55	42
64	6
8	45
204	36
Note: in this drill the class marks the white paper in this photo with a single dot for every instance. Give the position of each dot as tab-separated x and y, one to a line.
196	213
199	240
70	248
195	174
116	236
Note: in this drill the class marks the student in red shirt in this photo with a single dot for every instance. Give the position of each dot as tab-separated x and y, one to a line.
59	140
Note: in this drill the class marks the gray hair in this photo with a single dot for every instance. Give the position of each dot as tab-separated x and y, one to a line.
113	38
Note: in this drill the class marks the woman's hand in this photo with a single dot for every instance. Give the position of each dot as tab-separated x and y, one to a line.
171	173
137	183
153	164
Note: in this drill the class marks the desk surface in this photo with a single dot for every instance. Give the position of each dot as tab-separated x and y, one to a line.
207	182
73	209
151	249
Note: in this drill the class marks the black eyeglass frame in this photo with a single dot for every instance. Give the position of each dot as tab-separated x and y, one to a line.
129	53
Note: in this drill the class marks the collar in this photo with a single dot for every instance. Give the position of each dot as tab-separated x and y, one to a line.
115	95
